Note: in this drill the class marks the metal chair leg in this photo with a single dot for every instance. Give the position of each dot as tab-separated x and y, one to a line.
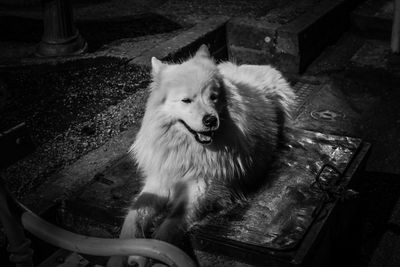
19	245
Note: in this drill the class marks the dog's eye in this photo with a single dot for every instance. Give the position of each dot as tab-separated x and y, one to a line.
214	97
187	100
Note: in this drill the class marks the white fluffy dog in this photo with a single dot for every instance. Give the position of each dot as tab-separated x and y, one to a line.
208	133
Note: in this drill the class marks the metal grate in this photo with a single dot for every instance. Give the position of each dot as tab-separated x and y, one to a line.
304	90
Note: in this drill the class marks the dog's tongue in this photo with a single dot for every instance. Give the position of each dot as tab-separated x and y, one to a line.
204	139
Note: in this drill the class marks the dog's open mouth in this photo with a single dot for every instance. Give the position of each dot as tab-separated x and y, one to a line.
205	137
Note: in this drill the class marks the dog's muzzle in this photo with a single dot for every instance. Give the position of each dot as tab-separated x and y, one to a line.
204	137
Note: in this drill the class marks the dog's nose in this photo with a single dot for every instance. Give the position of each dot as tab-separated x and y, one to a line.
210	120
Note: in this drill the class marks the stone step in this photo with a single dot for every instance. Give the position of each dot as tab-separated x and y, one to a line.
290	37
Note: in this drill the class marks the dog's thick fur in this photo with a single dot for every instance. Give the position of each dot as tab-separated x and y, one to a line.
185	160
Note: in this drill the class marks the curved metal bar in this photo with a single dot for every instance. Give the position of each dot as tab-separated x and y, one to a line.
14	217
150	248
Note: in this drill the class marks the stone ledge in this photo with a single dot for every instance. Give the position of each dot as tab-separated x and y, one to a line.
210	32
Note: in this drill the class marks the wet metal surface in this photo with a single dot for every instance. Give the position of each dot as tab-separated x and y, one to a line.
308	176
328	110
326	115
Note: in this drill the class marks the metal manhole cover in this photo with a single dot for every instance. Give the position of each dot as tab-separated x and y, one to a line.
326	115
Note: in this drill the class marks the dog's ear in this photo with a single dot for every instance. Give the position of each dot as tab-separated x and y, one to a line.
203	51
156	66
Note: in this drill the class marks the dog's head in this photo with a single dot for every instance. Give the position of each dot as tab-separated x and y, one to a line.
190	94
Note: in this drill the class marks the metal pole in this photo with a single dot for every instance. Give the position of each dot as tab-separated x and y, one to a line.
60	36
395	43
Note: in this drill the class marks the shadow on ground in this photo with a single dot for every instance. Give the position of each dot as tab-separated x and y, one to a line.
379	194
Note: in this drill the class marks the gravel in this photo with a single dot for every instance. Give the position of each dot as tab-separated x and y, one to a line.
69	113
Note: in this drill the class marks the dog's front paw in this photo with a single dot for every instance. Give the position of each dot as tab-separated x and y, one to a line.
138	261
171	231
